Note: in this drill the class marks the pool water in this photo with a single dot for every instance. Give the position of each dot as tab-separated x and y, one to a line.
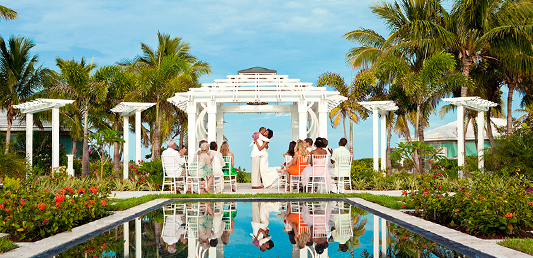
258	229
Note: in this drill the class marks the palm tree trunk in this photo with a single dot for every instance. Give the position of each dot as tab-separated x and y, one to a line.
489	129
86	166
157	133
351	137
73	150
182	134
344	126
9	116
116	152
467	64
389	135
420	130
512	85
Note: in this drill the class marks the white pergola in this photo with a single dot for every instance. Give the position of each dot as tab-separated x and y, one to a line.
255	90
477	104
125	110
38	105
381	108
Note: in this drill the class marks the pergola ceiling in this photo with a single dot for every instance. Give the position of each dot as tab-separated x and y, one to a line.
474	103
387	105
39	105
129	108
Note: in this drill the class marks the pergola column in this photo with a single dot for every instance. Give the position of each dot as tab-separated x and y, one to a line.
383	141
191	128
220	127
323	118
376	236
481	140
29	139
55	137
383	237
375	138
126	232
138	237
294	121
138	131
211	121
460	138
126	151
302	119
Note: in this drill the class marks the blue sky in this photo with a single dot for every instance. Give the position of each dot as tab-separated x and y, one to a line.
301	39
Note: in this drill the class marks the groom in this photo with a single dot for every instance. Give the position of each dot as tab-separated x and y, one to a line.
256	163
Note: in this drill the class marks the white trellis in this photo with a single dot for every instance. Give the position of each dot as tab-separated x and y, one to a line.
125	110
477	104
381	108
38	105
256	90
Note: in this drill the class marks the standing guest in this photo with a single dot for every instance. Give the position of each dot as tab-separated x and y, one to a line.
230	169
205	167
309	144
294	165
179	157
341	151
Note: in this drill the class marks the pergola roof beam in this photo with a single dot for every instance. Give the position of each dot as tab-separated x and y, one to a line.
129	108
474	103
39	105
386	105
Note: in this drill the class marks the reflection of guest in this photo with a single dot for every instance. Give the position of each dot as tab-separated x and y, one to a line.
173	231
299	227
319	224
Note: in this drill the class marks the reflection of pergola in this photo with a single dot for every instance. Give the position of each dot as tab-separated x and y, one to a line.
39	105
255	90
477	104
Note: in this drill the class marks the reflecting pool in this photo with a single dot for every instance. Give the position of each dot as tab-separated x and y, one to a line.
258	229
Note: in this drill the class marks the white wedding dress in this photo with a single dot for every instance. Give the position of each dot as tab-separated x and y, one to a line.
269	175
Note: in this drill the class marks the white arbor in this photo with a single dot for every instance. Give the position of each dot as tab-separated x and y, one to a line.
39	105
477	104
125	110
379	108
255	90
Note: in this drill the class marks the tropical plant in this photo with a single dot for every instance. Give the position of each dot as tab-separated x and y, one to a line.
410	150
8	13
102	141
162	72
19	77
76	82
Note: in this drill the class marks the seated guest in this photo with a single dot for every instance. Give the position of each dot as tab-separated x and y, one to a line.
288	156
295	168
199	145
329	165
179	158
218	163
308	171
341	151
229	170
205	167
309	144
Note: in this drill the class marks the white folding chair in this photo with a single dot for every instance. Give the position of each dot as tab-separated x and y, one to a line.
194	180
218	175
171	173
318	174
296	180
282	175
229	178
229	208
342	171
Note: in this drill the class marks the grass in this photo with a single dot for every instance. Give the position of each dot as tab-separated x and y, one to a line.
523	245
6	245
387	201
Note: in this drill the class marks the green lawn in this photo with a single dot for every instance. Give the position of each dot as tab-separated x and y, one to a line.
387	201
523	245
6	245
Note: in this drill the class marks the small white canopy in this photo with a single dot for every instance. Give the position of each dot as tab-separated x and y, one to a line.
474	103
39	105
448	132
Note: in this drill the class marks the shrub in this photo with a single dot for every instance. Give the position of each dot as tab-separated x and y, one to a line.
155	171
242	176
513	154
29	212
6	245
362	169
484	204
13	165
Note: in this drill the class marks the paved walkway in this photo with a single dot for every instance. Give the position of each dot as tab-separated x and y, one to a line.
242	188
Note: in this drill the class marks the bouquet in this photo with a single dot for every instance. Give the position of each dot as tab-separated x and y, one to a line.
255	136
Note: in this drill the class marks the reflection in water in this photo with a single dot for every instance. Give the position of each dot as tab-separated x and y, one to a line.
260	229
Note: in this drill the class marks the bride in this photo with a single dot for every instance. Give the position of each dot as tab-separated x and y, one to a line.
269	175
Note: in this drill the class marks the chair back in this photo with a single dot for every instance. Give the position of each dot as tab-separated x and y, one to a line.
192	167
319	165
343	166
217	167
227	162
302	162
288	159
170	166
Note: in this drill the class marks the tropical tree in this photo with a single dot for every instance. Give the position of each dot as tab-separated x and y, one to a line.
102	142
162	72
19	77
7	13
77	83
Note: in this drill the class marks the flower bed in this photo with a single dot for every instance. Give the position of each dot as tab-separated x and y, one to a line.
29	213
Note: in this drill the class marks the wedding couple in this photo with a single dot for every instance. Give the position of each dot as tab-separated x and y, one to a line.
260	169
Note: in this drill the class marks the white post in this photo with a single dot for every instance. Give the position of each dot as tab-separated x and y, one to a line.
29	139
294	120
138	235
383	142
375	134
126	240
383	237
460	138
138	130
212	252
55	137
70	164
126	149
220	128
191	128
323	119
480	139
211	121
302	119
376	236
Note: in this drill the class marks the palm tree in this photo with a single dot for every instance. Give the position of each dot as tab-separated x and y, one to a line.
7	13
78	83
162	72
19	77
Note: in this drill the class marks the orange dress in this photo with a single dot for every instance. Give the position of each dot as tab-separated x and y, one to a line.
293	170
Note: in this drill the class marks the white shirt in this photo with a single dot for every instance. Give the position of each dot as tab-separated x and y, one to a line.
218	162
255	150
179	159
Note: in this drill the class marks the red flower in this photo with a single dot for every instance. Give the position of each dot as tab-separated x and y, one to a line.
440	195
403	205
456	210
69	190
46	190
438	186
510	225
60	198
45	221
1	206
58	204
531	203
71	200
81	190
93	190
23	201
405	237
61	191
8	210
94	172
467	195
6	218
8	194
103	202
404	193
41	206
481	198
509	215
103	246
92	202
